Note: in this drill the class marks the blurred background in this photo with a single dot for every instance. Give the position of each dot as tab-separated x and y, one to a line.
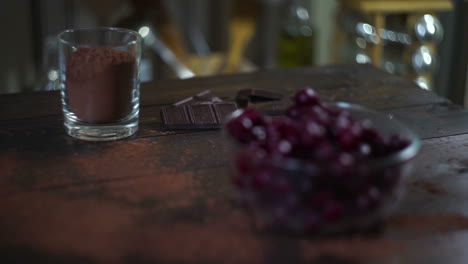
422	40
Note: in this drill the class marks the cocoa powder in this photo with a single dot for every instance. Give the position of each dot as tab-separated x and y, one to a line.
99	84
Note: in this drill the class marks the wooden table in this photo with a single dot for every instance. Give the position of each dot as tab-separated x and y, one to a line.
164	197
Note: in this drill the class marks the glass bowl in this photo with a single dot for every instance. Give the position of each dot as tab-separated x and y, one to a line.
311	196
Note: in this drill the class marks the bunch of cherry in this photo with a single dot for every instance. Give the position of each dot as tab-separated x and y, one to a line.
310	168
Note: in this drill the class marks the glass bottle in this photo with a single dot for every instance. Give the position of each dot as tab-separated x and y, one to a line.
296	38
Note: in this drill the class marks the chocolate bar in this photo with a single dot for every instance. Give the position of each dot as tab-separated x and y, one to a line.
205	97
196	116
246	96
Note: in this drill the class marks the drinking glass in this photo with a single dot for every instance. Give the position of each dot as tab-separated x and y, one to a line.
99	82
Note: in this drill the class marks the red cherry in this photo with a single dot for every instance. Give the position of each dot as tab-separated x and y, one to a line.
320	199
343	167
311	133
249	158
306	96
333	211
262	179
242	127
313	171
284	148
254	116
296	111
396	143
324	151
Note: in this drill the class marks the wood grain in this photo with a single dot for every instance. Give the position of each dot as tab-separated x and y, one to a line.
166	197
173	216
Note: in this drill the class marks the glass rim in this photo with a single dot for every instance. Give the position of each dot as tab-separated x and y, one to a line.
96	29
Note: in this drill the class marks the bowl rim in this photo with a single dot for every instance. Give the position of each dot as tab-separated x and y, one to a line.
399	157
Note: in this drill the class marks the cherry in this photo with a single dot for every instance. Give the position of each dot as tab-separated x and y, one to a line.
262	179
241	127
282	148
272	132
345	159
342	122
375	140
313	171
254	116
249	158
333	211
348	139
306	96
344	169
364	150
281	128
371	135
324	151
396	143
259	133
311	133
317	114
290	132
320	199
296	111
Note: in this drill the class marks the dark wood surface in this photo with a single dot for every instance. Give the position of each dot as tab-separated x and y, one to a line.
165	197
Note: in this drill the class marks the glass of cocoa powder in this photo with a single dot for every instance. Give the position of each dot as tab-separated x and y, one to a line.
99	82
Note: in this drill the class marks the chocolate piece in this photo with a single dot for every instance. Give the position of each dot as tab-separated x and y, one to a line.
259	94
201	114
222	110
196	116
205	97
175	115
